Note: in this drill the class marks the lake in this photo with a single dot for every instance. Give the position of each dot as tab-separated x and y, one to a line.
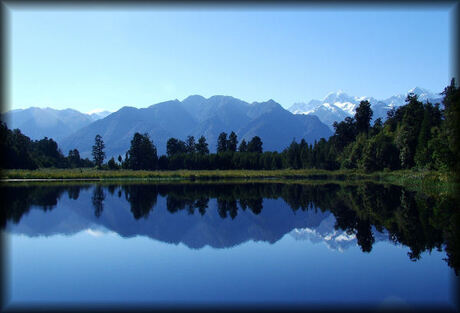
205	244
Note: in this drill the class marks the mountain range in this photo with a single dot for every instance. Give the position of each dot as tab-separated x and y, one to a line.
193	230
195	116
336	106
198	116
38	123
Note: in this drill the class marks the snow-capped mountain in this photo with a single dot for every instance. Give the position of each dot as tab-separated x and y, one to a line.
338	105
334	239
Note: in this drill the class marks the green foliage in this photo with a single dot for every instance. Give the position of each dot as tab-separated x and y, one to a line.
379	153
345	133
451	127
417	134
363	116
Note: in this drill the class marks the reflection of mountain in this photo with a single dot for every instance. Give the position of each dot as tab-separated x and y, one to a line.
333	238
194	230
223	215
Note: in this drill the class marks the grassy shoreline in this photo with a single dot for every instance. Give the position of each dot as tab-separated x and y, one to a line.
93	174
430	182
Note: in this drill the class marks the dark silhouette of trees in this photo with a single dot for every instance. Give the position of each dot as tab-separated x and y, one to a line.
243	146
98	151
98	200
232	142
419	221
222	142
112	165
175	146
142	199
363	116
190	146
415	135
142	155
255	145
74	158
451	127
202	146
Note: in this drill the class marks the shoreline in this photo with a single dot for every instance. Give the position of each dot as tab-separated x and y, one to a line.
433	181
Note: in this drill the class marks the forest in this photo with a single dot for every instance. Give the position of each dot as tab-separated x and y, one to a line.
415	135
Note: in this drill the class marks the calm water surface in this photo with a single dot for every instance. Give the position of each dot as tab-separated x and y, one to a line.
224	243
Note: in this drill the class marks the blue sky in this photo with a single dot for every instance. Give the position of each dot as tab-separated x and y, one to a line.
106	59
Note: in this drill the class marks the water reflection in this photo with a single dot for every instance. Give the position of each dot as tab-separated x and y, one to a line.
225	214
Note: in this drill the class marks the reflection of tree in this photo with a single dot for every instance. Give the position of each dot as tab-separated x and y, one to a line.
364	235
111	189
73	192
452	235
255	205
202	204
142	199
98	200
225	206
17	200
413	219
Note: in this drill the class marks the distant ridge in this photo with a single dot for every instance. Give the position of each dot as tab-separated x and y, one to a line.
197	116
37	123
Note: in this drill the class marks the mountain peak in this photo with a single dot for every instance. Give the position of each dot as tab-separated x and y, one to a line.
194	98
338	96
417	90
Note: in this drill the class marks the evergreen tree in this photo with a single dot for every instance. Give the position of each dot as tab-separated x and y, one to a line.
175	146
111	164
74	158
452	112
255	145
142	153
232	142
406	138
345	133
222	143
363	116
422	157
243	146
202	146
98	151
190	146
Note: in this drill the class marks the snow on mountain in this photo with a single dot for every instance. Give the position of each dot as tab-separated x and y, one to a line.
98	114
336	106
301	107
334	239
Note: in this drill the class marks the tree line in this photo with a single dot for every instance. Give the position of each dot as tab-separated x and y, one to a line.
417	134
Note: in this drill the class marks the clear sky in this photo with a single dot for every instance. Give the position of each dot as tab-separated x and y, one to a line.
105	58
